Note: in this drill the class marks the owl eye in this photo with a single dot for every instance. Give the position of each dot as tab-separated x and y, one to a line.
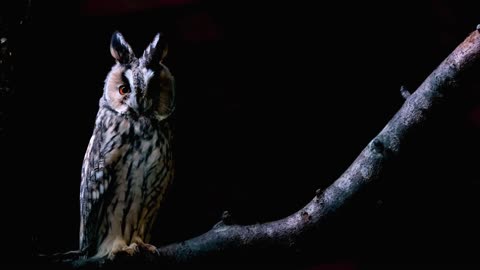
123	90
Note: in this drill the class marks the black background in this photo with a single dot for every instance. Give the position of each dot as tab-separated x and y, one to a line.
274	101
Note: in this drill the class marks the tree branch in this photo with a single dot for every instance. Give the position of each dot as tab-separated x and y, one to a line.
366	168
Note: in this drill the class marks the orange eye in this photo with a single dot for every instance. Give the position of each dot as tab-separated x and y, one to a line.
123	90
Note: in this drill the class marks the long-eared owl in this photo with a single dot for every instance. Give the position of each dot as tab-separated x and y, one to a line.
128	164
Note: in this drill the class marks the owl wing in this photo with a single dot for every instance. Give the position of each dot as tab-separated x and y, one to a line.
95	195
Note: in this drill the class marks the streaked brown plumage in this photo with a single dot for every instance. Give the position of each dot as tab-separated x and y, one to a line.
128	164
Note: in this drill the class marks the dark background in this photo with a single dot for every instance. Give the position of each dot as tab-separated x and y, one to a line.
274	101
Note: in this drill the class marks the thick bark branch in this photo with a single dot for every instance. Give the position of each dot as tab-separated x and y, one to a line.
366	168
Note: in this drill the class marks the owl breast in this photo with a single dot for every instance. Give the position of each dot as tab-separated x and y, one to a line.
132	161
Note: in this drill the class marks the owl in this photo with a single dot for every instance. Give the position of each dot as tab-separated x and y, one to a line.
128	164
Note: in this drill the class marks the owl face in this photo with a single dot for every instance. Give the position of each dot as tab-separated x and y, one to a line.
139	86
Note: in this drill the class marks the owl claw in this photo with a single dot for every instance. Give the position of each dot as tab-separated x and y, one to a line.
149	248
132	249
129	250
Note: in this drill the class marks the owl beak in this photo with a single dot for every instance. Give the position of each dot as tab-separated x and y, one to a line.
135	104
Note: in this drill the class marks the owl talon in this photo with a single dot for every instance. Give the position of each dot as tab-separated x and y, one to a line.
149	248
132	249
127	251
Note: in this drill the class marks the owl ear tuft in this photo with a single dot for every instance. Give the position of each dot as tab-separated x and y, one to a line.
120	49
156	51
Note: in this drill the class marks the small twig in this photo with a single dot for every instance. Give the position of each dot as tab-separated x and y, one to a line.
61	257
227	218
405	93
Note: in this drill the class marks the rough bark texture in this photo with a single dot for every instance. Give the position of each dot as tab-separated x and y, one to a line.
366	168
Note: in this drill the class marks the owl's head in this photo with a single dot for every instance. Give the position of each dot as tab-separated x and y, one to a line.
139	86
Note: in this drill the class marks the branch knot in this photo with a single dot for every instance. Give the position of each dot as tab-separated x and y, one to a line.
227	218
